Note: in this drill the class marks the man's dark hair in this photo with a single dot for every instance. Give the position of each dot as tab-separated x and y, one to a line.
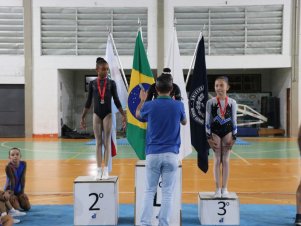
164	82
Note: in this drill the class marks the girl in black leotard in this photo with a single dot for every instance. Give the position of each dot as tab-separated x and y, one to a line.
221	132
101	90
175	93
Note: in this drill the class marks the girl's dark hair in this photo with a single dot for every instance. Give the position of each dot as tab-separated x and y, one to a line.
166	70
100	61
225	78
14	149
164	82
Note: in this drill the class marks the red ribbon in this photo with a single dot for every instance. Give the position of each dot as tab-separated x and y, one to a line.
223	111
102	90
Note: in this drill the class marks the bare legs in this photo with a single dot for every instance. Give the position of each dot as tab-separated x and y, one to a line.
217	160
221	163
102	131
107	123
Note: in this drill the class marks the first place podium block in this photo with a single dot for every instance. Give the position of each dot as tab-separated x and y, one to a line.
140	184
223	211
95	201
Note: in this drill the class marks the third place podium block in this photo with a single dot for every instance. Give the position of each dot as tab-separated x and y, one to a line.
222	211
175	219
95	201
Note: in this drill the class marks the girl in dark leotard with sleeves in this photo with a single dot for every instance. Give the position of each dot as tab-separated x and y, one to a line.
101	91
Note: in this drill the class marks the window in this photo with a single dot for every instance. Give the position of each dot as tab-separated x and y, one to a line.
84	31
246	83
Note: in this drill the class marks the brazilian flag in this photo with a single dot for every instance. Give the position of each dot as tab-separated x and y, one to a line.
141	74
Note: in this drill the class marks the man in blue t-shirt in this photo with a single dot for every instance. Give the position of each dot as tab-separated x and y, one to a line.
164	116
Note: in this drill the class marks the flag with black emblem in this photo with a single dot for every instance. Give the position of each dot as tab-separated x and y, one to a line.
198	96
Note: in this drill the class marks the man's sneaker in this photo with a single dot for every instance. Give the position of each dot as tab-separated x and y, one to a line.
298	221
105	174
217	194
16	213
225	193
16	221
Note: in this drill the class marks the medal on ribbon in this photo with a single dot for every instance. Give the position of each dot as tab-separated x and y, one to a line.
222	111
102	90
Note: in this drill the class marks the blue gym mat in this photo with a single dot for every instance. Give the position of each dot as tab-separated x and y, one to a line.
250	215
122	141
240	141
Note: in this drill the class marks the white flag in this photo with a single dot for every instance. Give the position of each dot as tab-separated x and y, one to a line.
174	63
111	58
121	90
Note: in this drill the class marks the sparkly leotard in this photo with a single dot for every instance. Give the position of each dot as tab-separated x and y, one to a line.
218	124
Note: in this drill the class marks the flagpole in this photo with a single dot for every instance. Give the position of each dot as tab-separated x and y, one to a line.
173	40
140	28
122	71
193	58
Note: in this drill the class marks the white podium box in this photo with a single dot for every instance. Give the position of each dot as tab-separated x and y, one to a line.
223	211
175	219
96	201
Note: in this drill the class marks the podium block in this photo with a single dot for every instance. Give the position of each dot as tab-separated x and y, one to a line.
175	219
96	201
223	211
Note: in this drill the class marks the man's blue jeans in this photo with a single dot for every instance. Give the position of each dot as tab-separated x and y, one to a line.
166	166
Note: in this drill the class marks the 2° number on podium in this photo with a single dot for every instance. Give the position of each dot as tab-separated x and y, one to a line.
97	197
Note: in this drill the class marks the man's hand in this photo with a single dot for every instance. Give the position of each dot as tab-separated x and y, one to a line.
143	95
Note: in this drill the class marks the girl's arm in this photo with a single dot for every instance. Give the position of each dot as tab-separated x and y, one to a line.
117	102
10	175
177	92
23	178
234	119
151	92
90	96
115	94
208	119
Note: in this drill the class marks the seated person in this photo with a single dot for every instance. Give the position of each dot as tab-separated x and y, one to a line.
15	180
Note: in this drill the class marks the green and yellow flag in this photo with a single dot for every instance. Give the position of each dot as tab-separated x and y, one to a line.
141	74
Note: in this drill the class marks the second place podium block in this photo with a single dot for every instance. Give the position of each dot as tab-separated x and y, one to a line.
96	201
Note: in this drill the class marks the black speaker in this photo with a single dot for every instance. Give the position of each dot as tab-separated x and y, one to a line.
270	108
